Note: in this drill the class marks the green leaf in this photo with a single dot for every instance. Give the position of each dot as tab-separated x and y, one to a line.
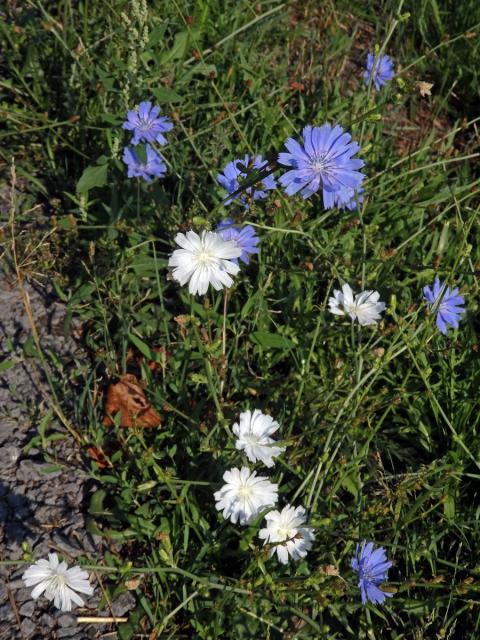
43	426
29	348
93	176
96	502
82	293
51	468
59	291
144	348
449	507
91	527
181	46
203	69
350	482
271	340
163	94
112	119
6	364
146	486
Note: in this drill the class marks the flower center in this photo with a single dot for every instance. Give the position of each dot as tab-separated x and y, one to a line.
351	307
244	491
204	258
443	306
319	163
365	572
57	580
145	124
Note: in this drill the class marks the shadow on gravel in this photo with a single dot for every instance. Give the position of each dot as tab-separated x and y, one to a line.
18	523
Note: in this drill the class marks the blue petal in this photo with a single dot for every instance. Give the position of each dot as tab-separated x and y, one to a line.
428	293
442	327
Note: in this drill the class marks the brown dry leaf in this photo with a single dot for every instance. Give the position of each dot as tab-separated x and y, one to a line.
133	583
308	266
182	323
424	88
128	398
330	570
99	457
297	86
378	352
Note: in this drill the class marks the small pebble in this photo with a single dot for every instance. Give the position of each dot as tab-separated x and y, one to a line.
66	620
27	609
28	627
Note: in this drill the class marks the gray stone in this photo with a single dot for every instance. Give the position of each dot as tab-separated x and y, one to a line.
18	583
7	431
16	412
6	613
28	627
66	620
42	548
125	602
8	457
70	633
29	472
46	621
67	545
43	515
75	521
23	595
27	609
15	551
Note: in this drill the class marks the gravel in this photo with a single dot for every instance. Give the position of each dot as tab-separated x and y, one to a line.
41	509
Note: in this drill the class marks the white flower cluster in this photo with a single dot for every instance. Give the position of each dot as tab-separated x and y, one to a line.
245	495
208	259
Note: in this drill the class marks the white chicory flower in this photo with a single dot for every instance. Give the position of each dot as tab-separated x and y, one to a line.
253	433
204	260
286	531
58	582
245	495
365	307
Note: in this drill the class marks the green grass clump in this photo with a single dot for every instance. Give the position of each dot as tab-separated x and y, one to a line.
381	424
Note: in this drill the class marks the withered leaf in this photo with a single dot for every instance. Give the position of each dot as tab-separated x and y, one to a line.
99	457
133	583
424	88
330	570
127	398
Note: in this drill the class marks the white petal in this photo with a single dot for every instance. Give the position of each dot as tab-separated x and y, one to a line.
74	597
282	553
38	590
347	294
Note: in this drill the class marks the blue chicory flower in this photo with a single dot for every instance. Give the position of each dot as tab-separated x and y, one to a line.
154	167
146	125
380	69
372	568
324	162
229	179
449	311
245	237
